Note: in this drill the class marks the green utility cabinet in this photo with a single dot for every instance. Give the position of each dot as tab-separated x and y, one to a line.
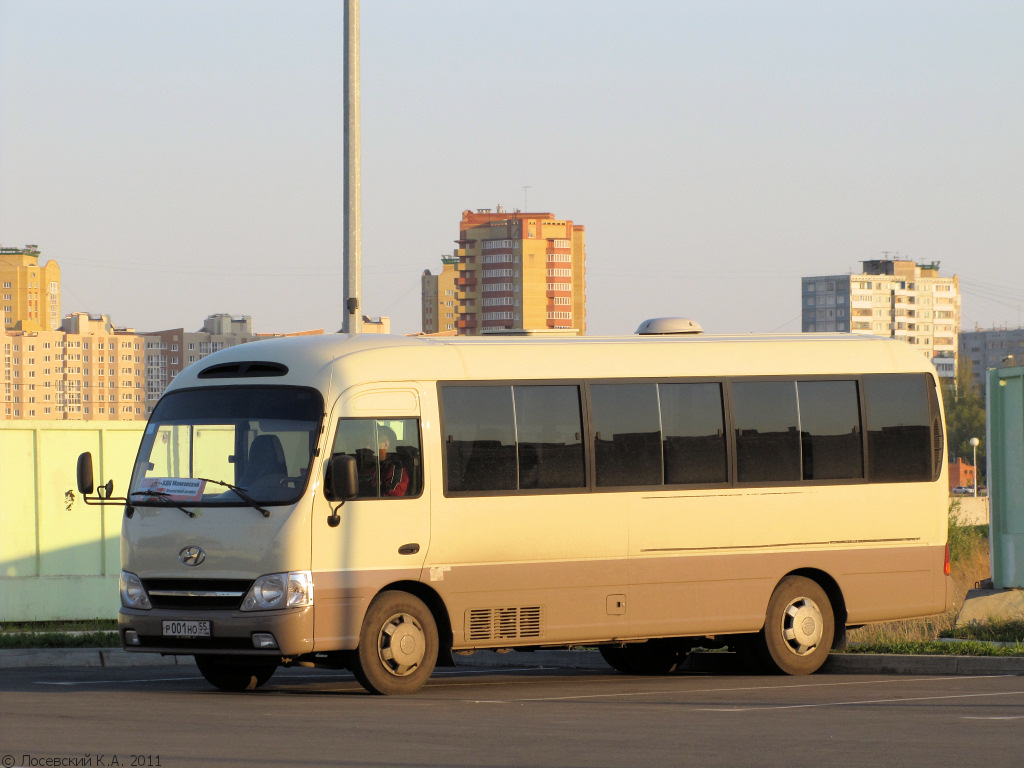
1005	443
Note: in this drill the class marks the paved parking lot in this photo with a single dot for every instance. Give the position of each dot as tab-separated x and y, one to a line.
514	717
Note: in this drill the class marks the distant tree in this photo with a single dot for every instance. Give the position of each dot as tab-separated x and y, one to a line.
965	417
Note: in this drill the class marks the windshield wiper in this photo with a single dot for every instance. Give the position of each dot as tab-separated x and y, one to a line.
242	494
161	495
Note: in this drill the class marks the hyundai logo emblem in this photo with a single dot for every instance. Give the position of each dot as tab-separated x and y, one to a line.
192	556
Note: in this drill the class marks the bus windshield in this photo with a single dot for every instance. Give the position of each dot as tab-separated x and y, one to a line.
249	445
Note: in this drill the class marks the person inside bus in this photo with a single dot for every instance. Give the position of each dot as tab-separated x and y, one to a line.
385	467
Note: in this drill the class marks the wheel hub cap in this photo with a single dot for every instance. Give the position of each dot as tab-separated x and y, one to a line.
401	645
802	626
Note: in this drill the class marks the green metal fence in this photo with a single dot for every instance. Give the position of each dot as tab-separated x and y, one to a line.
59	558
1005	441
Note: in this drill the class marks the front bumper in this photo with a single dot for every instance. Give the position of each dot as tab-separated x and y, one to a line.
231	631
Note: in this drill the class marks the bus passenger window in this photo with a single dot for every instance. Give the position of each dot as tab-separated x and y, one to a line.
627	434
767	433
899	426
830	432
504	438
480	438
549	431
693	428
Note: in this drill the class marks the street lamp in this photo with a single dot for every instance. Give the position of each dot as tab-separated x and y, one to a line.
974	445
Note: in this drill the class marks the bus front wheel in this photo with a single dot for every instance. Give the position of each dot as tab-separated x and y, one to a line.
398	645
799	627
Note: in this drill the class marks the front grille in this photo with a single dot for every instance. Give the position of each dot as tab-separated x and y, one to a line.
197	594
505	623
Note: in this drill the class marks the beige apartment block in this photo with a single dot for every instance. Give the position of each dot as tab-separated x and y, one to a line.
894	298
88	370
30	294
438	297
515	271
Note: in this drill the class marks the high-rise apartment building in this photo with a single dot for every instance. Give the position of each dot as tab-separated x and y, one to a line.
30	296
89	370
516	272
86	370
894	298
438	298
992	348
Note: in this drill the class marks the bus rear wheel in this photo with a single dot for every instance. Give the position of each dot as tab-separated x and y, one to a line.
398	645
661	656
799	627
233	673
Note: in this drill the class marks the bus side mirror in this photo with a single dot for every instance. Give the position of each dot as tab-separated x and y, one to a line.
85	484
342	478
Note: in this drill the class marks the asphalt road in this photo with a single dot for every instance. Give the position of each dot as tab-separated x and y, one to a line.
169	717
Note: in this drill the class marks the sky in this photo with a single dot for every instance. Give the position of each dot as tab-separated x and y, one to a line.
181	158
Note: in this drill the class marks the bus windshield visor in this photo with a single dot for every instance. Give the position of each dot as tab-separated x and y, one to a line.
228	446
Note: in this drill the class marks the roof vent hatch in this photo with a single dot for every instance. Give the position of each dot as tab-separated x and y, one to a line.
669	326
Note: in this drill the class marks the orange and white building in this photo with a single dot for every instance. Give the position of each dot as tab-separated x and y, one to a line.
515	271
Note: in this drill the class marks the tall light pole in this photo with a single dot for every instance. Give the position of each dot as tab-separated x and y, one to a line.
974	445
352	270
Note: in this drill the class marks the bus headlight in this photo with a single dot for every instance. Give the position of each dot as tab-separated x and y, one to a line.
133	594
280	590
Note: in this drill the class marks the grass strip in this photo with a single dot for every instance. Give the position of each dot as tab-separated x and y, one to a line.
21	640
993	631
74	625
935	648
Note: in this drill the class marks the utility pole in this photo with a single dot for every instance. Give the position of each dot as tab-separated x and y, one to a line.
352	271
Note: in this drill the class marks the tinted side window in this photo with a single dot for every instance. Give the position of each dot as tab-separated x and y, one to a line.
767	434
549	428
830	436
480	438
627	434
899	427
694	433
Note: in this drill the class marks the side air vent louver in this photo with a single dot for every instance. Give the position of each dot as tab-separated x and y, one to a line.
244	369
505	623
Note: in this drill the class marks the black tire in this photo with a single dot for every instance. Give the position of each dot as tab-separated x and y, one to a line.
398	645
799	627
662	656
235	673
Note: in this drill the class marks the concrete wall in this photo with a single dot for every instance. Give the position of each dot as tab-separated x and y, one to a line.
60	558
973	511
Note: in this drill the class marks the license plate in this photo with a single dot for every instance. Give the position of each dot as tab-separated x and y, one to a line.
186	629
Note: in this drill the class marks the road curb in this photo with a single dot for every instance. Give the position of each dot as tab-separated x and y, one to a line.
708	663
892	664
84	657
